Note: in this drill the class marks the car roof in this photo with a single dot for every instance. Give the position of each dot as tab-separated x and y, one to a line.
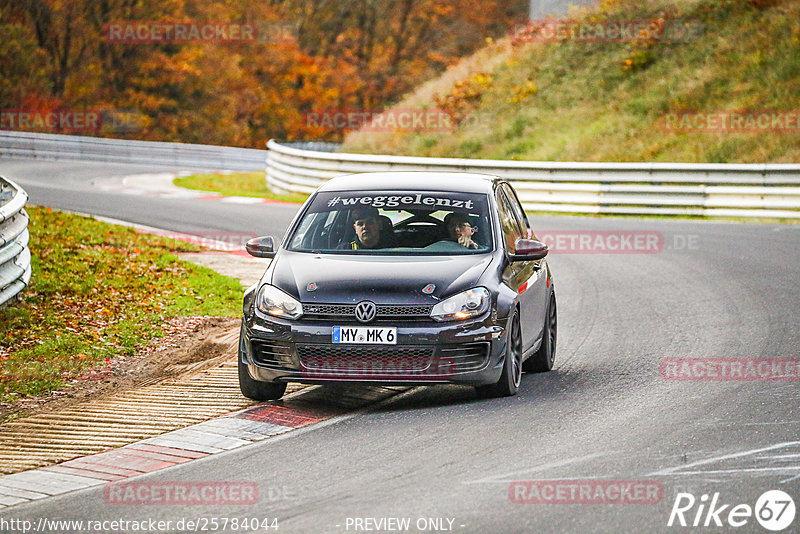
461	182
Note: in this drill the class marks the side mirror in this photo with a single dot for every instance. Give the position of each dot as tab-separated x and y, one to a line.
529	250
261	247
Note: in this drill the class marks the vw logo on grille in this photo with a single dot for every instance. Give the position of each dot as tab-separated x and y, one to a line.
365	311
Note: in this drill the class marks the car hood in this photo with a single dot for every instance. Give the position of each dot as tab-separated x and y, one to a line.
345	279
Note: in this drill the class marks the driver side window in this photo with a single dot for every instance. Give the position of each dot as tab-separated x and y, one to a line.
517	211
512	230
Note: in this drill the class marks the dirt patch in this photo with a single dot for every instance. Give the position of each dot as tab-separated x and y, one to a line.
189	344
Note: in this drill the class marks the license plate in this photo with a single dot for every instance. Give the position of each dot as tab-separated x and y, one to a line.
368	335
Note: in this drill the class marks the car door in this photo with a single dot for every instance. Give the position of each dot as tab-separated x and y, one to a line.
528	275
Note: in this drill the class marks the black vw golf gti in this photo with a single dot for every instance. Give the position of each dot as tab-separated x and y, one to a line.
401	278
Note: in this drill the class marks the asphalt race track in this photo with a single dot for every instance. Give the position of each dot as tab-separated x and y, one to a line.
606	413
70	186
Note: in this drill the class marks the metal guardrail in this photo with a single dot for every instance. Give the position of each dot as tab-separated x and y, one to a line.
316	146
15	257
150	153
730	190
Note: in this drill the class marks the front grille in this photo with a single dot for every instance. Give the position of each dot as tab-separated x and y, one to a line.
329	309
404	311
385	312
374	361
272	353
366	361
386	361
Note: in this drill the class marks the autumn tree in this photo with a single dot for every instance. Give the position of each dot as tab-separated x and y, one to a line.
337	54
23	65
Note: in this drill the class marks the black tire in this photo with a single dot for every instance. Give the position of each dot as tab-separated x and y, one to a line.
544	358
259	391
510	378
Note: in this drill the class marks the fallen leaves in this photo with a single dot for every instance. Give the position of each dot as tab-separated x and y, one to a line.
96	296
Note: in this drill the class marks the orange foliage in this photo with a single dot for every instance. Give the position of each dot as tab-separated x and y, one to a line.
309	55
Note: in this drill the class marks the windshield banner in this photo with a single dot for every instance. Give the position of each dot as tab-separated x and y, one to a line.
404	201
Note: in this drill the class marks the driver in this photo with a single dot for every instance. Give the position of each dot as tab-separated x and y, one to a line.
461	230
369	234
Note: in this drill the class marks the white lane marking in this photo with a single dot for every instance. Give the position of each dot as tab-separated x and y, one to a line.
151	184
184	445
198	437
717	422
16	492
682	468
778	457
501	479
48	482
741	470
241	428
10	501
160	181
187	195
242	200
792	479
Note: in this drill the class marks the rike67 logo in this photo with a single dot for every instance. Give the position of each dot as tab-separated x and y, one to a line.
774	510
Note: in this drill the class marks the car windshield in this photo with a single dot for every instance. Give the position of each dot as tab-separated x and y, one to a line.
394	223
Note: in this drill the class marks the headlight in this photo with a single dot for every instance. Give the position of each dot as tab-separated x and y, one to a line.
275	302
470	303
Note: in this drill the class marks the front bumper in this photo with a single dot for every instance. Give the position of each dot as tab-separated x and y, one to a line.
427	352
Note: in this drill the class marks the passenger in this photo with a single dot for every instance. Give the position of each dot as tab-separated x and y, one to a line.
369	232
460	230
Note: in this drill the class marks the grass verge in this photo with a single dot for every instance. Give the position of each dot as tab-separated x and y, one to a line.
609	101
240	184
98	292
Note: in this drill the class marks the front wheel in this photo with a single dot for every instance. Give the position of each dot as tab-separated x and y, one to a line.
508	385
259	391
542	360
